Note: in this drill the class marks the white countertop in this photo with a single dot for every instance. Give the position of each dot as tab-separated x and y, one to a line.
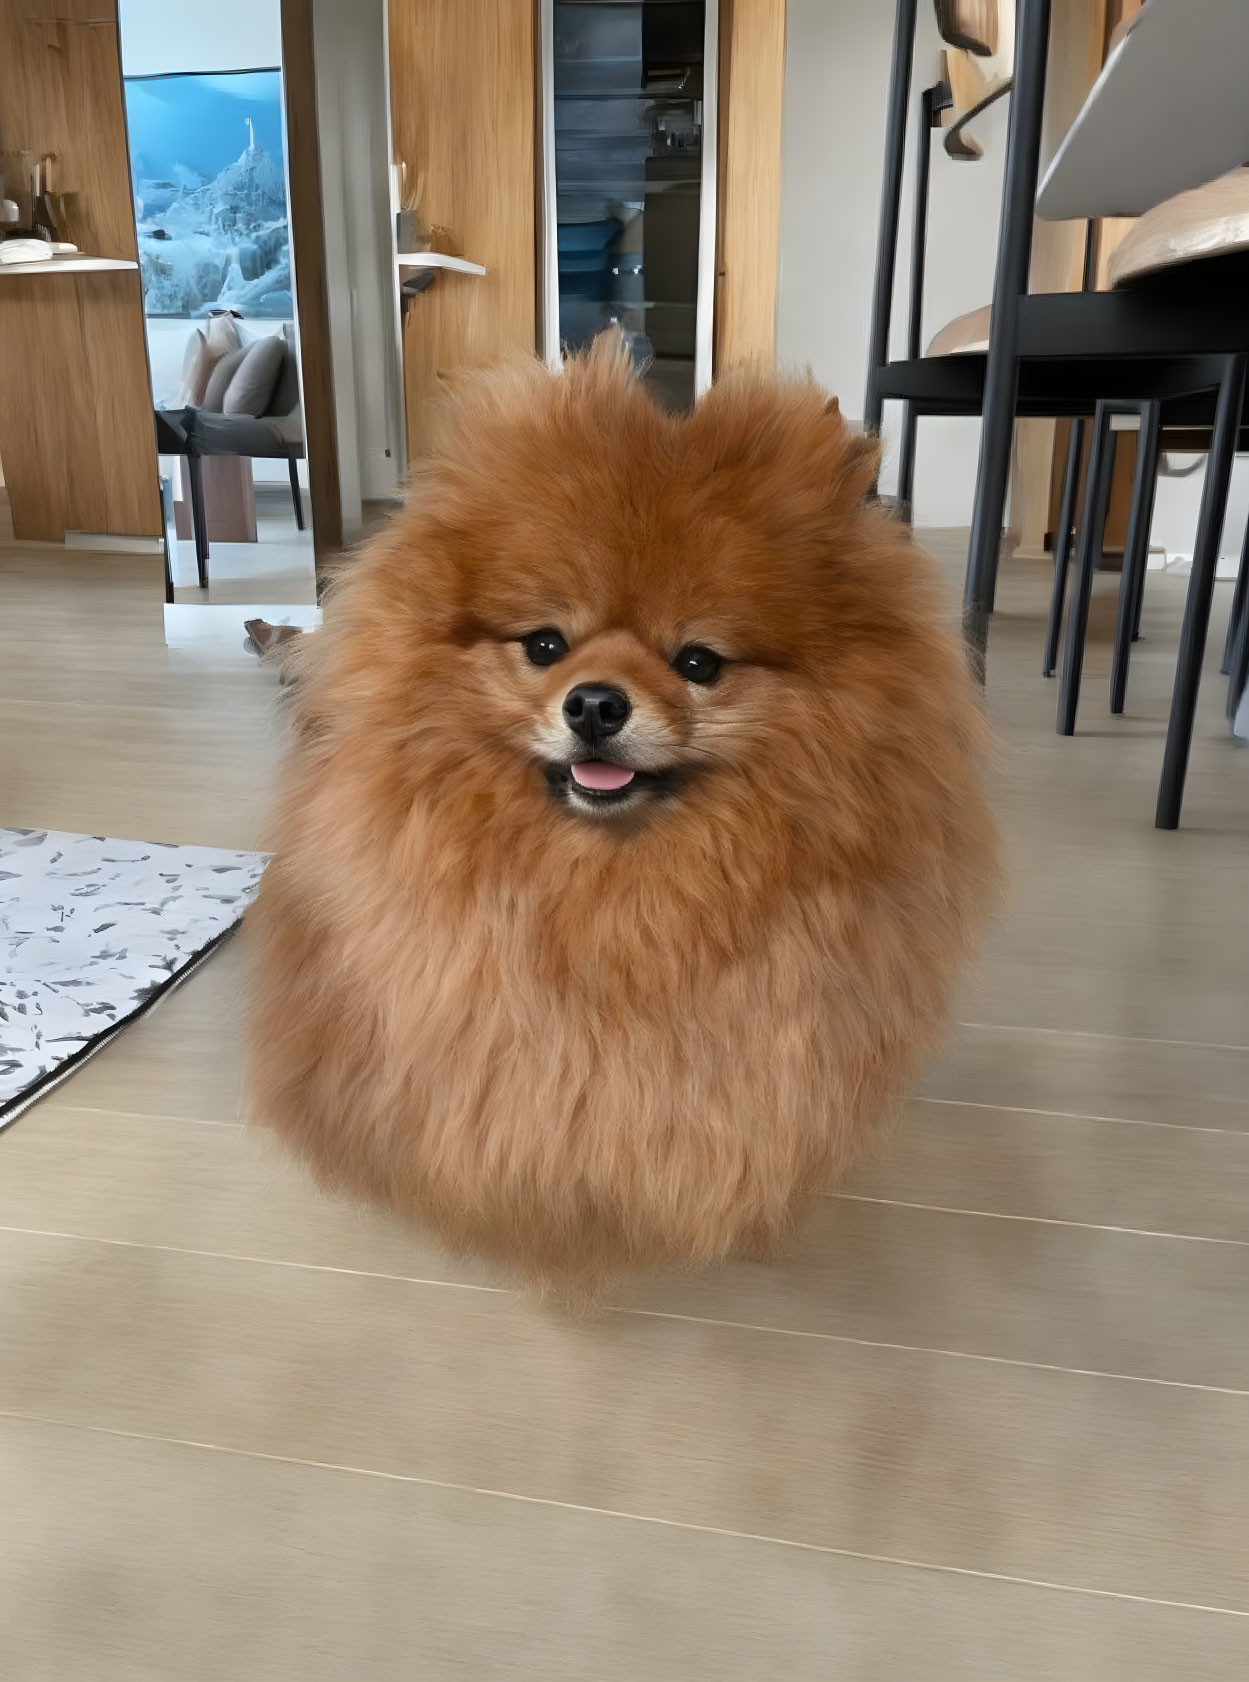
77	264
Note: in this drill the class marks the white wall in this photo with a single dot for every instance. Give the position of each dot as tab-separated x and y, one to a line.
161	37
1176	502
836	88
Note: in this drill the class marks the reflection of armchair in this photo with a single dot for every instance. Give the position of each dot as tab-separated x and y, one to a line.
218	427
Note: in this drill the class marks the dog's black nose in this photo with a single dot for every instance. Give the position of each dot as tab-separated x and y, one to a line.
594	711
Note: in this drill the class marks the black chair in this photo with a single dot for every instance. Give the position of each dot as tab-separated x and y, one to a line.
1061	354
196	433
1155	436
275	435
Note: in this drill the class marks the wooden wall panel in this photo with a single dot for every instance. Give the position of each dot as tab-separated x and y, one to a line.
752	88
76	431
303	169
462	96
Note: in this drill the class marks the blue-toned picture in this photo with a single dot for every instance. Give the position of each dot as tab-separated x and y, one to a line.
210	193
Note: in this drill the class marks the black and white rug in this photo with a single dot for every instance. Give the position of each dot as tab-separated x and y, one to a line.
93	933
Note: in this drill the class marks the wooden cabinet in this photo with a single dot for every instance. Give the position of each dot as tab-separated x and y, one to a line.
76	429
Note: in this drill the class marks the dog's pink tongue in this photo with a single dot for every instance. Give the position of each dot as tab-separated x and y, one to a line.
597	773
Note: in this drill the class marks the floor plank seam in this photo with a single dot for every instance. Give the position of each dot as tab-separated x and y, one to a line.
626	1311
1091	1034
686	1525
1036	1220
1079	1115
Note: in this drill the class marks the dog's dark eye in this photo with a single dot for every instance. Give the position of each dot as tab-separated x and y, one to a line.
697	665
544	648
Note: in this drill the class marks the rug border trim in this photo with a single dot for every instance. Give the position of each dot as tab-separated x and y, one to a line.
31	1095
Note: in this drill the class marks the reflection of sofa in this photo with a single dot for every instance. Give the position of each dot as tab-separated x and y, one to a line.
237	399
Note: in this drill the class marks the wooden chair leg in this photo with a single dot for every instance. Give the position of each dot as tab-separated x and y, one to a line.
1200	592
199	518
1092	533
296	498
1135	550
1062	546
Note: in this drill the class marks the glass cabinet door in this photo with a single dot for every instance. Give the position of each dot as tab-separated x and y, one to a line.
629	183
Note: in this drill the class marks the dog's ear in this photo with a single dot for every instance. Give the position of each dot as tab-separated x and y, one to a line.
861	463
785	439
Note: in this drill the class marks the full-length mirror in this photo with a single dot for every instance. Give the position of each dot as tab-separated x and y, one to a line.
205	117
258	152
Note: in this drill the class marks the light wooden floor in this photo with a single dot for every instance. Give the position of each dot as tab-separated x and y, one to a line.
277	568
992	1420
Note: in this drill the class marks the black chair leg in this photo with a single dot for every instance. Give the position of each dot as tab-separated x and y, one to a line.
1238	604
1238	664
1010	282
1200	592
890	206
296	498
1062	546
1138	601
166	518
1092	533
1135	550
199	520
906	463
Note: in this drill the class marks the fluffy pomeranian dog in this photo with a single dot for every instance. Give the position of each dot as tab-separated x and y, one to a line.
632	834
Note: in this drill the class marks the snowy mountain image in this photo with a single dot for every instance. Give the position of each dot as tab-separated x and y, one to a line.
213	231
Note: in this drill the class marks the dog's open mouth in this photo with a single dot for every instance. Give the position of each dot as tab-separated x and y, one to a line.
602	782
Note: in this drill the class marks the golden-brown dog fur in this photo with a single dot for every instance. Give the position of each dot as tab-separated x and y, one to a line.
580	1042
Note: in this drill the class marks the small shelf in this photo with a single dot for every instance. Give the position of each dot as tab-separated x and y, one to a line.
437	260
67	265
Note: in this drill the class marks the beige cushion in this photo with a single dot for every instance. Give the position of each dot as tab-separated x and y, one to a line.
251	389
197	365
219	379
222	333
1207	221
285	399
962	336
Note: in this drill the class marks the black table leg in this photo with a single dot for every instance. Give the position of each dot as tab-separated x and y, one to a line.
1092	533
1135	550
1200	591
1062	546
